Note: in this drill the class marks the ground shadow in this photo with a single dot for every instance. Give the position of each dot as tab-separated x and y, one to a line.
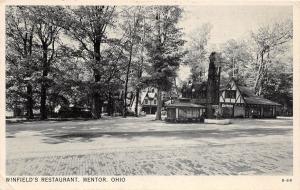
181	134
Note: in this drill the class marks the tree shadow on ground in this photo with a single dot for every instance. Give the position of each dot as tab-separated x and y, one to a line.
20	121
263	122
182	134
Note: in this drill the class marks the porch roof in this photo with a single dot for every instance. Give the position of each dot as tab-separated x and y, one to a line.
260	101
184	105
251	98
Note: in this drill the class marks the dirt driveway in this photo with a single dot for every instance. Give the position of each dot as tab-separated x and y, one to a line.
142	146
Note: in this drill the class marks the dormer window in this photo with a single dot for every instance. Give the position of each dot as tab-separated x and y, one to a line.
230	94
146	101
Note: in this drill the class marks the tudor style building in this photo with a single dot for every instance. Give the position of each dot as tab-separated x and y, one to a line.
234	101
240	101
148	100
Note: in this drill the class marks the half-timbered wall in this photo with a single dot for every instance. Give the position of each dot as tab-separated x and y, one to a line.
238	98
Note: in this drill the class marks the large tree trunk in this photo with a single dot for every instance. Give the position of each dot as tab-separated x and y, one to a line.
258	80
126	81
137	93
159	105
260	75
96	102
96	106
110	105
29	105
137	97
43	108
29	102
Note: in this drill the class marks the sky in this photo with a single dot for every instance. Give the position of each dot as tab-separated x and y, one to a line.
229	22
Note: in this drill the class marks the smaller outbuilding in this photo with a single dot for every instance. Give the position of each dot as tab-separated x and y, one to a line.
183	110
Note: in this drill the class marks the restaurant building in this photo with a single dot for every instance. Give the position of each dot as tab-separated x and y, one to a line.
235	101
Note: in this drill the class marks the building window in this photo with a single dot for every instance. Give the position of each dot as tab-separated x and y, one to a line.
152	89
230	94
154	101
146	101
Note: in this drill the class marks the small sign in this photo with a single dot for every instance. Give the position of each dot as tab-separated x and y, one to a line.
227	105
215	106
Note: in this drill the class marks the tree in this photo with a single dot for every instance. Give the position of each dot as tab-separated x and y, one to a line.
88	25
278	83
164	50
36	28
132	27
268	40
19	57
115	67
141	66
237	60
197	55
279	89
47	32
70	76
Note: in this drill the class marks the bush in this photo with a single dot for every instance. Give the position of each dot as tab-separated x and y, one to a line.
130	113
74	112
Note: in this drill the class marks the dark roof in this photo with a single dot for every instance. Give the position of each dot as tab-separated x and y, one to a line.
199	86
184	104
246	92
260	100
250	97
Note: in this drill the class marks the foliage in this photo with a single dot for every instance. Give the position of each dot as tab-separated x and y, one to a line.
278	84
87	55
197	48
237	60
164	47
270	40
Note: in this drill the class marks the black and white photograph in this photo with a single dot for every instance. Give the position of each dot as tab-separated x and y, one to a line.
149	90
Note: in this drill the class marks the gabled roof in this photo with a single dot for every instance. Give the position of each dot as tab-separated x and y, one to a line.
246	92
251	98
260	100
151	95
